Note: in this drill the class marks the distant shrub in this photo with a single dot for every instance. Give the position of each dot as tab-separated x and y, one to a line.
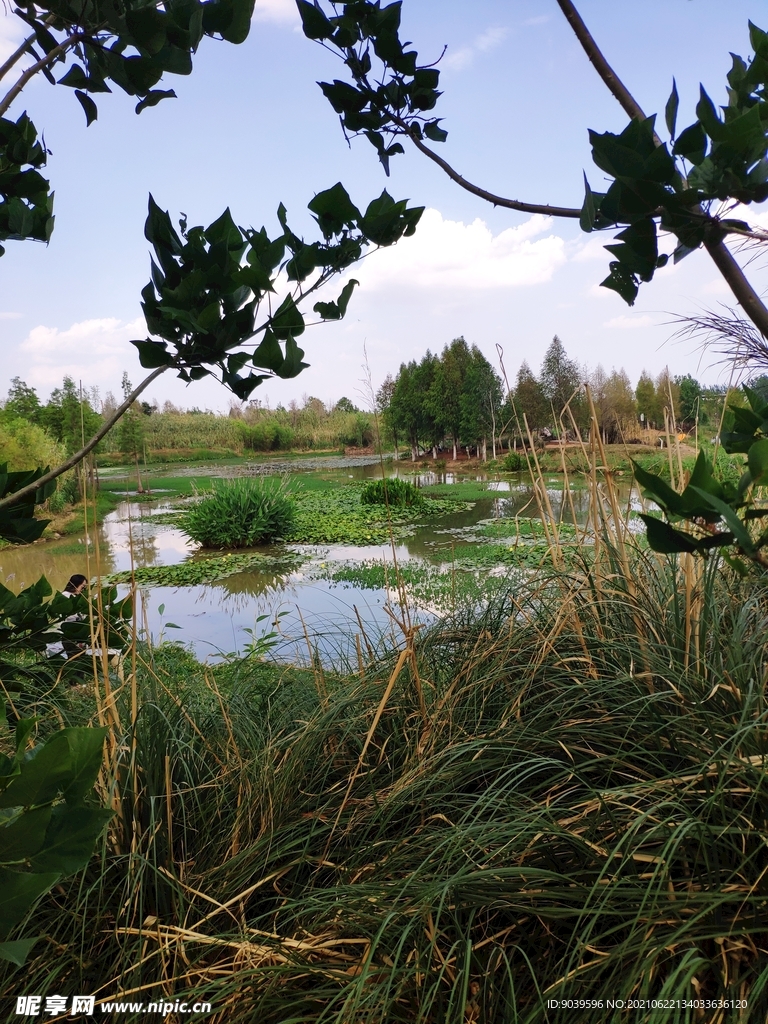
514	462
240	513
396	492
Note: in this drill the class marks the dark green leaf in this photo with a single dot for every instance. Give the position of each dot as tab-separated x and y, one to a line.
17	952
757	459
153	97
691	144
287	321
91	111
313	21
153	354
433	131
18	891
665	539
670	111
24	836
70	838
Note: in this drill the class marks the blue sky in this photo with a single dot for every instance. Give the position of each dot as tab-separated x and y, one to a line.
250	128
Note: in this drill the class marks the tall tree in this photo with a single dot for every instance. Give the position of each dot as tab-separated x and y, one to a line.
384	407
621	408
561	382
529	399
691	393
445	394
648	406
22	401
480	403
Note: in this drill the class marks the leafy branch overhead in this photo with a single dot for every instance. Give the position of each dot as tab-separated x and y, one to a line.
653	187
210	285
710	513
131	45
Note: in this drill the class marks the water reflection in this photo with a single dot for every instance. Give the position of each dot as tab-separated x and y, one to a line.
213	618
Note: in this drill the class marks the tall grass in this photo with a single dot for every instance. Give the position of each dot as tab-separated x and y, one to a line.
563	798
580	815
240	513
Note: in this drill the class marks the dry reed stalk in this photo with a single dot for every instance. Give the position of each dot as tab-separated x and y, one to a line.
404	656
542	500
363	633
314	664
359	650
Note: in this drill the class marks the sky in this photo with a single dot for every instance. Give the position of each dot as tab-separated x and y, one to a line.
250	128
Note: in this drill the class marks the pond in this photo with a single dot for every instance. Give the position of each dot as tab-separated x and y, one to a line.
317	604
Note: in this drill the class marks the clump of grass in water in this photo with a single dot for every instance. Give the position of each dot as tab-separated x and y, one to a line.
395	492
240	513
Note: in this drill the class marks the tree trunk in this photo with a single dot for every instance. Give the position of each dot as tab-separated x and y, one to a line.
454	449
485	450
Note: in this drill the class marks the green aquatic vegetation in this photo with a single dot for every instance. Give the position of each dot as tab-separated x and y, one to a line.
339	517
463	490
240	513
436	588
393	492
196	572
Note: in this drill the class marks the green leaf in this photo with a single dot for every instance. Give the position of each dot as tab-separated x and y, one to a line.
153	97
90	108
18	891
24	836
313	21
691	144
86	748
287	321
17	952
292	364
670	111
433	131
336	310
268	355
70	838
334	210
735	525
658	490
622	281
757	460
665	539
153	354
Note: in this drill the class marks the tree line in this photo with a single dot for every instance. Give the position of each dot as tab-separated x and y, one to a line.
457	400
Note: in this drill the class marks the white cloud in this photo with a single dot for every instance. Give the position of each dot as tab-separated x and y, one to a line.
540	19
464	57
92	350
627	322
282	12
11	34
447	254
10	316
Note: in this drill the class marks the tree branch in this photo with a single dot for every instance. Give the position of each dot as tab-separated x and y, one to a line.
600	64
19	53
509	204
28	492
723	259
31	71
737	281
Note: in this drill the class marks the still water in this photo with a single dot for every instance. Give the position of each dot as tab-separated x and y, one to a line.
307	614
